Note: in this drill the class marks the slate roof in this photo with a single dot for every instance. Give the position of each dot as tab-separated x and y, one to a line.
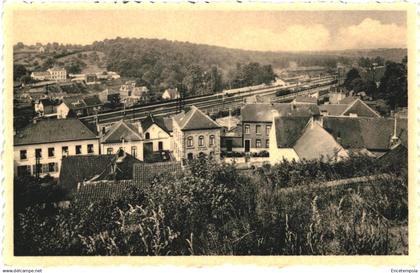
357	107
263	112
53	130
316	142
159	121
92	101
289	129
194	120
364	132
75	169
121	130
333	109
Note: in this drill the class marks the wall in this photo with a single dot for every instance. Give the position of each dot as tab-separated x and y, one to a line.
278	154
126	147
206	148
157	135
62	111
31	160
253	136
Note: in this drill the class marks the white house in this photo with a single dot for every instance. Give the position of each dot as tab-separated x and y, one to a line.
171	94
124	136
39	147
157	134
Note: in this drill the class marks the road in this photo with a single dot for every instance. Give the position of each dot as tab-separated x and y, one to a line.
210	103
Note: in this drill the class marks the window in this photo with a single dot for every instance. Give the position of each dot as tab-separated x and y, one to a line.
38	153
211	140
23	155
90	148
190	156
23	170
51	152
267	130
258	129
160	145
190	141
201	141
52	167
109	151
267	143
37	169
65	151
147	135
246	128
134	151
45	168
258	143
78	149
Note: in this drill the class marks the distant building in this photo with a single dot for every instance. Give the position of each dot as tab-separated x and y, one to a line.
231	135
302	138
195	134
123	136
40	75
57	74
130	94
46	108
52	74
171	94
79	106
40	147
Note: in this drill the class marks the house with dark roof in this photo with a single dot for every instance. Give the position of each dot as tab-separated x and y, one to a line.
123	136
256	120
353	107
40	146
46	108
302	138
80	169
157	132
372	136
195	134
79	106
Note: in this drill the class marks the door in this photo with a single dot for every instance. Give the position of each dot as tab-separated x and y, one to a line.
160	145
229	145
247	145
148	149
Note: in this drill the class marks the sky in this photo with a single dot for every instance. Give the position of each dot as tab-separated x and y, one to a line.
253	30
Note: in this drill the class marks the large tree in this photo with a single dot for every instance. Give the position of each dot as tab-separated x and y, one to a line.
350	77
393	86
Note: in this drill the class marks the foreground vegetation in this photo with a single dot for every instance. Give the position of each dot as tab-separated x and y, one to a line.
213	209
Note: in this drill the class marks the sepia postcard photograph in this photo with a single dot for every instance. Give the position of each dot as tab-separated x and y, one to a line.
282	133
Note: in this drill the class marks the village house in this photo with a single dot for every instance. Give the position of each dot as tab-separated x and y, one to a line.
122	136
302	138
171	94
349	106
77	106
195	134
46	108
40	75
257	122
157	134
40	146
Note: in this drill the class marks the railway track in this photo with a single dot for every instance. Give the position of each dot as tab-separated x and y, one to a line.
211	102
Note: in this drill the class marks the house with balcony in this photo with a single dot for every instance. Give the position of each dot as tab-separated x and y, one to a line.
39	147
